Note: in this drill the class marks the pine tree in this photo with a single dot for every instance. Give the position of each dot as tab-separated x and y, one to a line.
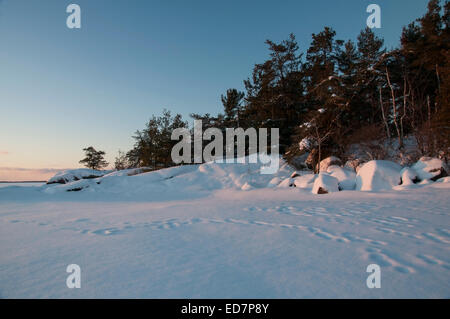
232	104
94	159
153	144
274	93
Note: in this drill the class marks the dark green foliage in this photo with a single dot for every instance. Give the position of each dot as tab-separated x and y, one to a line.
153	144
339	94
94	159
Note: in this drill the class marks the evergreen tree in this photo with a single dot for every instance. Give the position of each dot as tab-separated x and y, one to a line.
232	104
153	144
94	159
274	94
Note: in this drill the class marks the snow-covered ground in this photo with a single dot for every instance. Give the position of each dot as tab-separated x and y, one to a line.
222	231
20	184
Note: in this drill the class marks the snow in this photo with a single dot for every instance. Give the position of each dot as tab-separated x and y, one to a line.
21	184
325	184
378	175
193	232
346	177
408	176
305	144
352	164
305	181
429	168
287	182
67	176
325	163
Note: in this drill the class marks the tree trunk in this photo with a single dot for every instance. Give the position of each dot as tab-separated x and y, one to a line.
394	110
319	143
384	116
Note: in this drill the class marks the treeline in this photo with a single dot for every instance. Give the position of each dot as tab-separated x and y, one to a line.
336	94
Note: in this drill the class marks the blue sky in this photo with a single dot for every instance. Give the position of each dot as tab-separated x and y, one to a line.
63	89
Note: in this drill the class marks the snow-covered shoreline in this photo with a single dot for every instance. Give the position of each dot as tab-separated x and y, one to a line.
208	231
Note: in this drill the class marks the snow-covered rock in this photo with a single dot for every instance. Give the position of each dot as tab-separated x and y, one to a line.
444	180
305	181
130	171
287	182
325	184
246	187
352	164
378	175
300	161
68	176
274	182
295	174
430	168
408	176
345	176
327	162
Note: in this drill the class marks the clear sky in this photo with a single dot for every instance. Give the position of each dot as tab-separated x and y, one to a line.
64	89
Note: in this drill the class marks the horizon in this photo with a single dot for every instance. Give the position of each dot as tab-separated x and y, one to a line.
63	89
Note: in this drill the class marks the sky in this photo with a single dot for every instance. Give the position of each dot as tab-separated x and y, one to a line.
65	89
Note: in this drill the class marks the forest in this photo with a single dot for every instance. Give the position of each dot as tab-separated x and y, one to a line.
335	95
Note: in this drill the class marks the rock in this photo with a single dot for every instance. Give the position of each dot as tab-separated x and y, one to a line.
294	175
68	176
325	184
443	180
288	182
310	160
305	181
429	168
359	167
332	160
408	176
378	175
352	164
274	182
299	162
345	176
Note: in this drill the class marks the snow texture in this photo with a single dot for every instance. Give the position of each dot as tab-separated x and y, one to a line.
193	232
346	177
75	174
429	168
378	175
325	163
325	184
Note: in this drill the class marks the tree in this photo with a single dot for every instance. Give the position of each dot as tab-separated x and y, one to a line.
121	161
232	104
370	77
94	159
274	93
153	144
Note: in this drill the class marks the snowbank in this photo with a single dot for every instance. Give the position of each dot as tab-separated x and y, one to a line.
378	175
189	181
